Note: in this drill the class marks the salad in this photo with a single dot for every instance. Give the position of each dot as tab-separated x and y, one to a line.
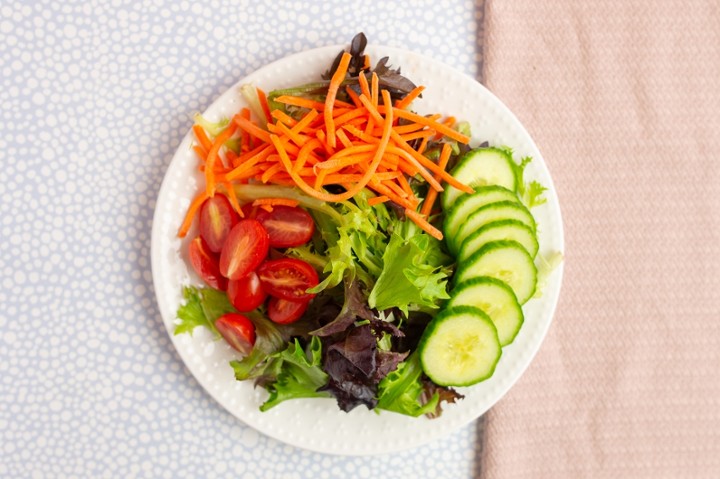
353	249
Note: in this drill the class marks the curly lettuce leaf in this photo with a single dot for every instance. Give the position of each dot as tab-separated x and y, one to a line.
298	374
269	339
531	193
414	275
202	307
213	128
401	391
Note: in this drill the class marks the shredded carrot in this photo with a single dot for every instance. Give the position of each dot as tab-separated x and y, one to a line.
423	146
374	87
395	188
406	186
323	141
417	134
275	202
427	163
280	115
270	172
264	104
245	165
360	134
232	197
343	139
352	114
335	82
252	129
407	99
372	109
376	200
432	193
201	152
357	145
191	212
384	190
202	137
449	122
353	96
423	223
364	86
366	62
439	127
304	154
220	140
245	144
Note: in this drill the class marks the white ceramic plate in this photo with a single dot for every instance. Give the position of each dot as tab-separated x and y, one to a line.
317	424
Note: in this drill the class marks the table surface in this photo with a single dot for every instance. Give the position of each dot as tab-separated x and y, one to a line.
96	96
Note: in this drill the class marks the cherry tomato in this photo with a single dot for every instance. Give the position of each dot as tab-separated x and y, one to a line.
205	264
246	293
217	218
249	211
287	226
288	278
245	248
238	331
282	311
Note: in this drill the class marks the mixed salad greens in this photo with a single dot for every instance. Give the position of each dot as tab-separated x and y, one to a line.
327	263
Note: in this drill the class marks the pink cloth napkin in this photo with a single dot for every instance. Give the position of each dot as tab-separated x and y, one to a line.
623	99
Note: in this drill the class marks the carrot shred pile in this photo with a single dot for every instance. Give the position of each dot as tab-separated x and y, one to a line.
362	144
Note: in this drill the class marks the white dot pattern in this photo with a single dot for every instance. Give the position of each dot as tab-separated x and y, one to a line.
96	96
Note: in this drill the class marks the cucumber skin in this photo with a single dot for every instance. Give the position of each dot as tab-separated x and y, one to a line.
445	315
451	240
467	157
489	247
496	224
450	215
481	280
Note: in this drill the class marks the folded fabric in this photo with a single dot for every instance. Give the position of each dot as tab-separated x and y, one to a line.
623	100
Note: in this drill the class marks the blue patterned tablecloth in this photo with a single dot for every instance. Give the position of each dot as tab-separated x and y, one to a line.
96	96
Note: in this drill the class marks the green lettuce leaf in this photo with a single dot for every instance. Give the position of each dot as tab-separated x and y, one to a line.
269	339
203	306
531	193
297	372
401	390
414	274
213	128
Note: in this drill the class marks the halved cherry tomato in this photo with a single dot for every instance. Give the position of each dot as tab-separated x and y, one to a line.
245	248
249	211
246	293
282	311
238	331
217	218
287	226
288	278
205	264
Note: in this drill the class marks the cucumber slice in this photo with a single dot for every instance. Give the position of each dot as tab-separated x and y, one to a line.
494	298
460	347
499	230
479	167
468	204
502	210
505	260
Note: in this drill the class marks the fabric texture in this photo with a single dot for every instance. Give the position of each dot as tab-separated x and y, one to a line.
622	98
